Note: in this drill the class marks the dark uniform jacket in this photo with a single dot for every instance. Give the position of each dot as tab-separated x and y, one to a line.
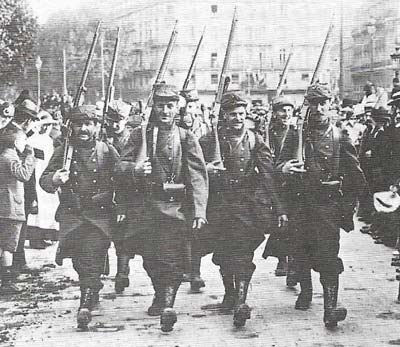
331	158
247	190
178	157
87	197
120	140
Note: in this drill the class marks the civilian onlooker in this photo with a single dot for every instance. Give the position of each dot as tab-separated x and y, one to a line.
41	221
17	163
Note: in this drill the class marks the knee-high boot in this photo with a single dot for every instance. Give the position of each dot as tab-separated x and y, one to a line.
332	313
158	303
168	316
242	310
196	282
304	299
122	276
84	316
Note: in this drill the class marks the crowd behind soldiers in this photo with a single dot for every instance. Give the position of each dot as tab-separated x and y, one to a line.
189	183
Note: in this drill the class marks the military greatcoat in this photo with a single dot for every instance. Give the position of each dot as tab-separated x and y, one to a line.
87	197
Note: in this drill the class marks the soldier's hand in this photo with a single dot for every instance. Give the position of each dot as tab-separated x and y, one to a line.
283	221
121	218
60	177
214	167
198	223
143	168
293	166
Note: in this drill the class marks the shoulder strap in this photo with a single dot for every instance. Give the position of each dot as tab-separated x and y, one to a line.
336	151
252	140
68	158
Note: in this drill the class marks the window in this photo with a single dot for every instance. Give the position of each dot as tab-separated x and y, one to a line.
214	59
282	56
305	76
214	8
235	78
214	78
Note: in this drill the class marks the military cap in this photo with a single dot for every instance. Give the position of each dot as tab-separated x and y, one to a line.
190	95
84	112
166	92
7	110
380	114
118	110
281	101
395	98
317	93
27	108
231	100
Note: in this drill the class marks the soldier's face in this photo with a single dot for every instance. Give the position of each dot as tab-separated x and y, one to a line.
235	118
4	121
86	130
284	114
118	126
191	113
166	111
319	112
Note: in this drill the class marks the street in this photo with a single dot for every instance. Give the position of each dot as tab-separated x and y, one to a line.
45	315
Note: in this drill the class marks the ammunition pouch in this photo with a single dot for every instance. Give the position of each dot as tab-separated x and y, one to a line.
170	192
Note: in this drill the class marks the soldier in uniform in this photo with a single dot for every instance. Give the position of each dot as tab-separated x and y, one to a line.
277	245
322	192
118	135
169	186
241	197
86	204
191	118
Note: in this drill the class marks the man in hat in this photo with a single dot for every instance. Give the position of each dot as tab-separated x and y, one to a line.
6	114
191	118
118	135
164	177
25	117
321	191
278	244
240	197
85	213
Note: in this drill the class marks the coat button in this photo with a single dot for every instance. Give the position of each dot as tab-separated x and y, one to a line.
94	170
74	161
241	159
326	158
101	207
94	160
170	158
241	170
298	194
94	181
75	173
327	146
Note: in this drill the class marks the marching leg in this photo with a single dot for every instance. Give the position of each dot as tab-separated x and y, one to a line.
242	310
304	299
332	313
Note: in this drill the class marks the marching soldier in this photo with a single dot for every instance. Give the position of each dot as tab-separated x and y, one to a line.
240	201
118	135
192	118
320	201
277	245
86	203
168	176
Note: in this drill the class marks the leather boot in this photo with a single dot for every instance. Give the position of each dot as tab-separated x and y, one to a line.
168	316
196	281
332	313
291	278
242	310
304	299
84	312
281	267
158	303
8	286
122	276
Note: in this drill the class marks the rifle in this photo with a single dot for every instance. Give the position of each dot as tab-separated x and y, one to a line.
82	89
284	75
303	116
222	87
142	154
190	71
110	87
68	149
164	65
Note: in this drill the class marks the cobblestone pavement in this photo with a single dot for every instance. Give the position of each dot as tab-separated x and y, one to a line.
45	315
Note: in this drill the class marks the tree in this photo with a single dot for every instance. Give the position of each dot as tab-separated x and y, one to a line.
18	28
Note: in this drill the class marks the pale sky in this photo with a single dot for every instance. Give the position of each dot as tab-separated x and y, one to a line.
44	8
